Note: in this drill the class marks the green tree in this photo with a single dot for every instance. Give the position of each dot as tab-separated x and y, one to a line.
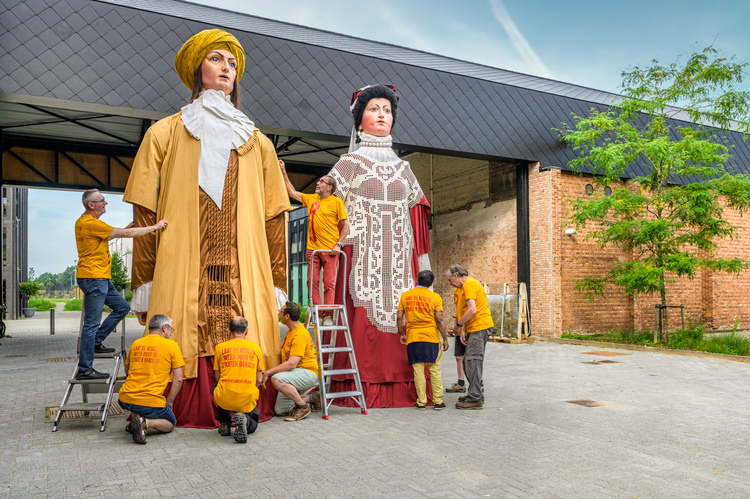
673	121
66	279
119	270
47	279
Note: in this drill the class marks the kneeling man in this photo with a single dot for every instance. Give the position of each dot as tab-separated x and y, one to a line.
298	370
150	362
423	310
238	369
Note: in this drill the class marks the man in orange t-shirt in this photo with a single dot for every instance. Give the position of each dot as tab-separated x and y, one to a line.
423	311
298	371
325	212
150	363
238	369
474	326
93	275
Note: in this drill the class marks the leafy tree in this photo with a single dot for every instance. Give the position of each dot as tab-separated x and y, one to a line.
31	274
119	270
66	279
673	121
47	279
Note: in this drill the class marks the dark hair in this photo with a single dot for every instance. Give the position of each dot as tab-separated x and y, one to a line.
292	310
425	278
238	325
198	88
375	92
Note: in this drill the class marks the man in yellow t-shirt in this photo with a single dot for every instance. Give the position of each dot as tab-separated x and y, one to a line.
325	212
150	363
298	371
474	326
93	275
423	310
238	369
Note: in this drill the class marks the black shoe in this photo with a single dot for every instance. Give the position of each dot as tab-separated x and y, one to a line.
224	430
102	349
418	407
91	374
439	407
240	433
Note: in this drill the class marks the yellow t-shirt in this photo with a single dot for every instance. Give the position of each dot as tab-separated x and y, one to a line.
150	362
92	242
298	343
324	216
419	306
238	362
472	290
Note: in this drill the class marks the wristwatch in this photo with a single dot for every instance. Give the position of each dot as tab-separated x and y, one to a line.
339	243
459	324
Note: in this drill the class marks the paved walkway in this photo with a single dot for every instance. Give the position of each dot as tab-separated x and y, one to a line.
666	426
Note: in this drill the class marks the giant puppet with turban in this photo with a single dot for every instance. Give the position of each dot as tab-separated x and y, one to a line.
215	178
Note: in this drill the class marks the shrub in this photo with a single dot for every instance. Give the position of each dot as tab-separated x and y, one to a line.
74	305
29	288
41	305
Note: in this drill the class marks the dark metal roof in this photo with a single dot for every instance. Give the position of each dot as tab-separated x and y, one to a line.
119	54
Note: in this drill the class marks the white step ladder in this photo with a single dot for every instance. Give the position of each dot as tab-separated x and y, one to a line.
330	349
107	386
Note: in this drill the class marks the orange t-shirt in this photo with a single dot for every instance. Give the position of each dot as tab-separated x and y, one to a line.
472	290
324	216
298	343
92	241
150	362
238	362
419	306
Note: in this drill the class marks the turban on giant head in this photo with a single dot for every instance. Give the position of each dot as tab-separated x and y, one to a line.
191	55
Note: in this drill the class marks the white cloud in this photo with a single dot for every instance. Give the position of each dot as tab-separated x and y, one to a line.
527	53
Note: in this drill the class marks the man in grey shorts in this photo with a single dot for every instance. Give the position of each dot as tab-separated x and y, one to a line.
478	326
298	371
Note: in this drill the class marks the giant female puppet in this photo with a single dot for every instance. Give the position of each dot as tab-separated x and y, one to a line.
215	178
387	242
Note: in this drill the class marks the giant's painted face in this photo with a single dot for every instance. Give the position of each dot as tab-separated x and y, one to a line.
377	119
218	71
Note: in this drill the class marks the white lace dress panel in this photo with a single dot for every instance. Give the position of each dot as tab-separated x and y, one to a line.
378	189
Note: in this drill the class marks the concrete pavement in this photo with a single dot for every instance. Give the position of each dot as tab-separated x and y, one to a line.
664	426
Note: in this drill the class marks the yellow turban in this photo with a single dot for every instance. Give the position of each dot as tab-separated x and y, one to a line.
191	55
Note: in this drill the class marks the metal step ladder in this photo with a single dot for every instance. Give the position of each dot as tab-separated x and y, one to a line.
108	386
329	349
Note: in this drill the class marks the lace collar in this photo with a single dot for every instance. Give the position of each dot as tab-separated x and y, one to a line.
212	119
377	148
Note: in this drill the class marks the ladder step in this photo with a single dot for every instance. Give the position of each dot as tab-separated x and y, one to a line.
331	328
338	395
96	406
74	381
330	307
336	372
335	349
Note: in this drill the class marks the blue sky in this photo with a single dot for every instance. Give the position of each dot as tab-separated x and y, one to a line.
584	42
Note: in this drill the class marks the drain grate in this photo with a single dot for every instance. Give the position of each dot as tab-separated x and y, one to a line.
16	356
585	403
51	412
62	359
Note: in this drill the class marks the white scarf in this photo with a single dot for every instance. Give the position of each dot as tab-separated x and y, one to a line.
212	119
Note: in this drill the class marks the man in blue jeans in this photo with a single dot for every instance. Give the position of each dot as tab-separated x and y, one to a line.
94	279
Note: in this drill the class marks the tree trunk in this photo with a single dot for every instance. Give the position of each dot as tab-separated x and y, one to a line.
664	320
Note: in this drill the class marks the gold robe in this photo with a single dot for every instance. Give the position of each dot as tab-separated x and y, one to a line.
164	180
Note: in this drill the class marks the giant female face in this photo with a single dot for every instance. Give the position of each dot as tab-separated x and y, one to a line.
377	118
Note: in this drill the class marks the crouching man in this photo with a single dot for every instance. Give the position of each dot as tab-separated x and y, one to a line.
238	368
150	363
298	370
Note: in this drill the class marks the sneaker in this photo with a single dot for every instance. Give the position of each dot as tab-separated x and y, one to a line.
138	429
463	398
439	407
240	433
314	402
327	321
102	349
224	430
299	412
456	388
91	374
469	405
418	407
